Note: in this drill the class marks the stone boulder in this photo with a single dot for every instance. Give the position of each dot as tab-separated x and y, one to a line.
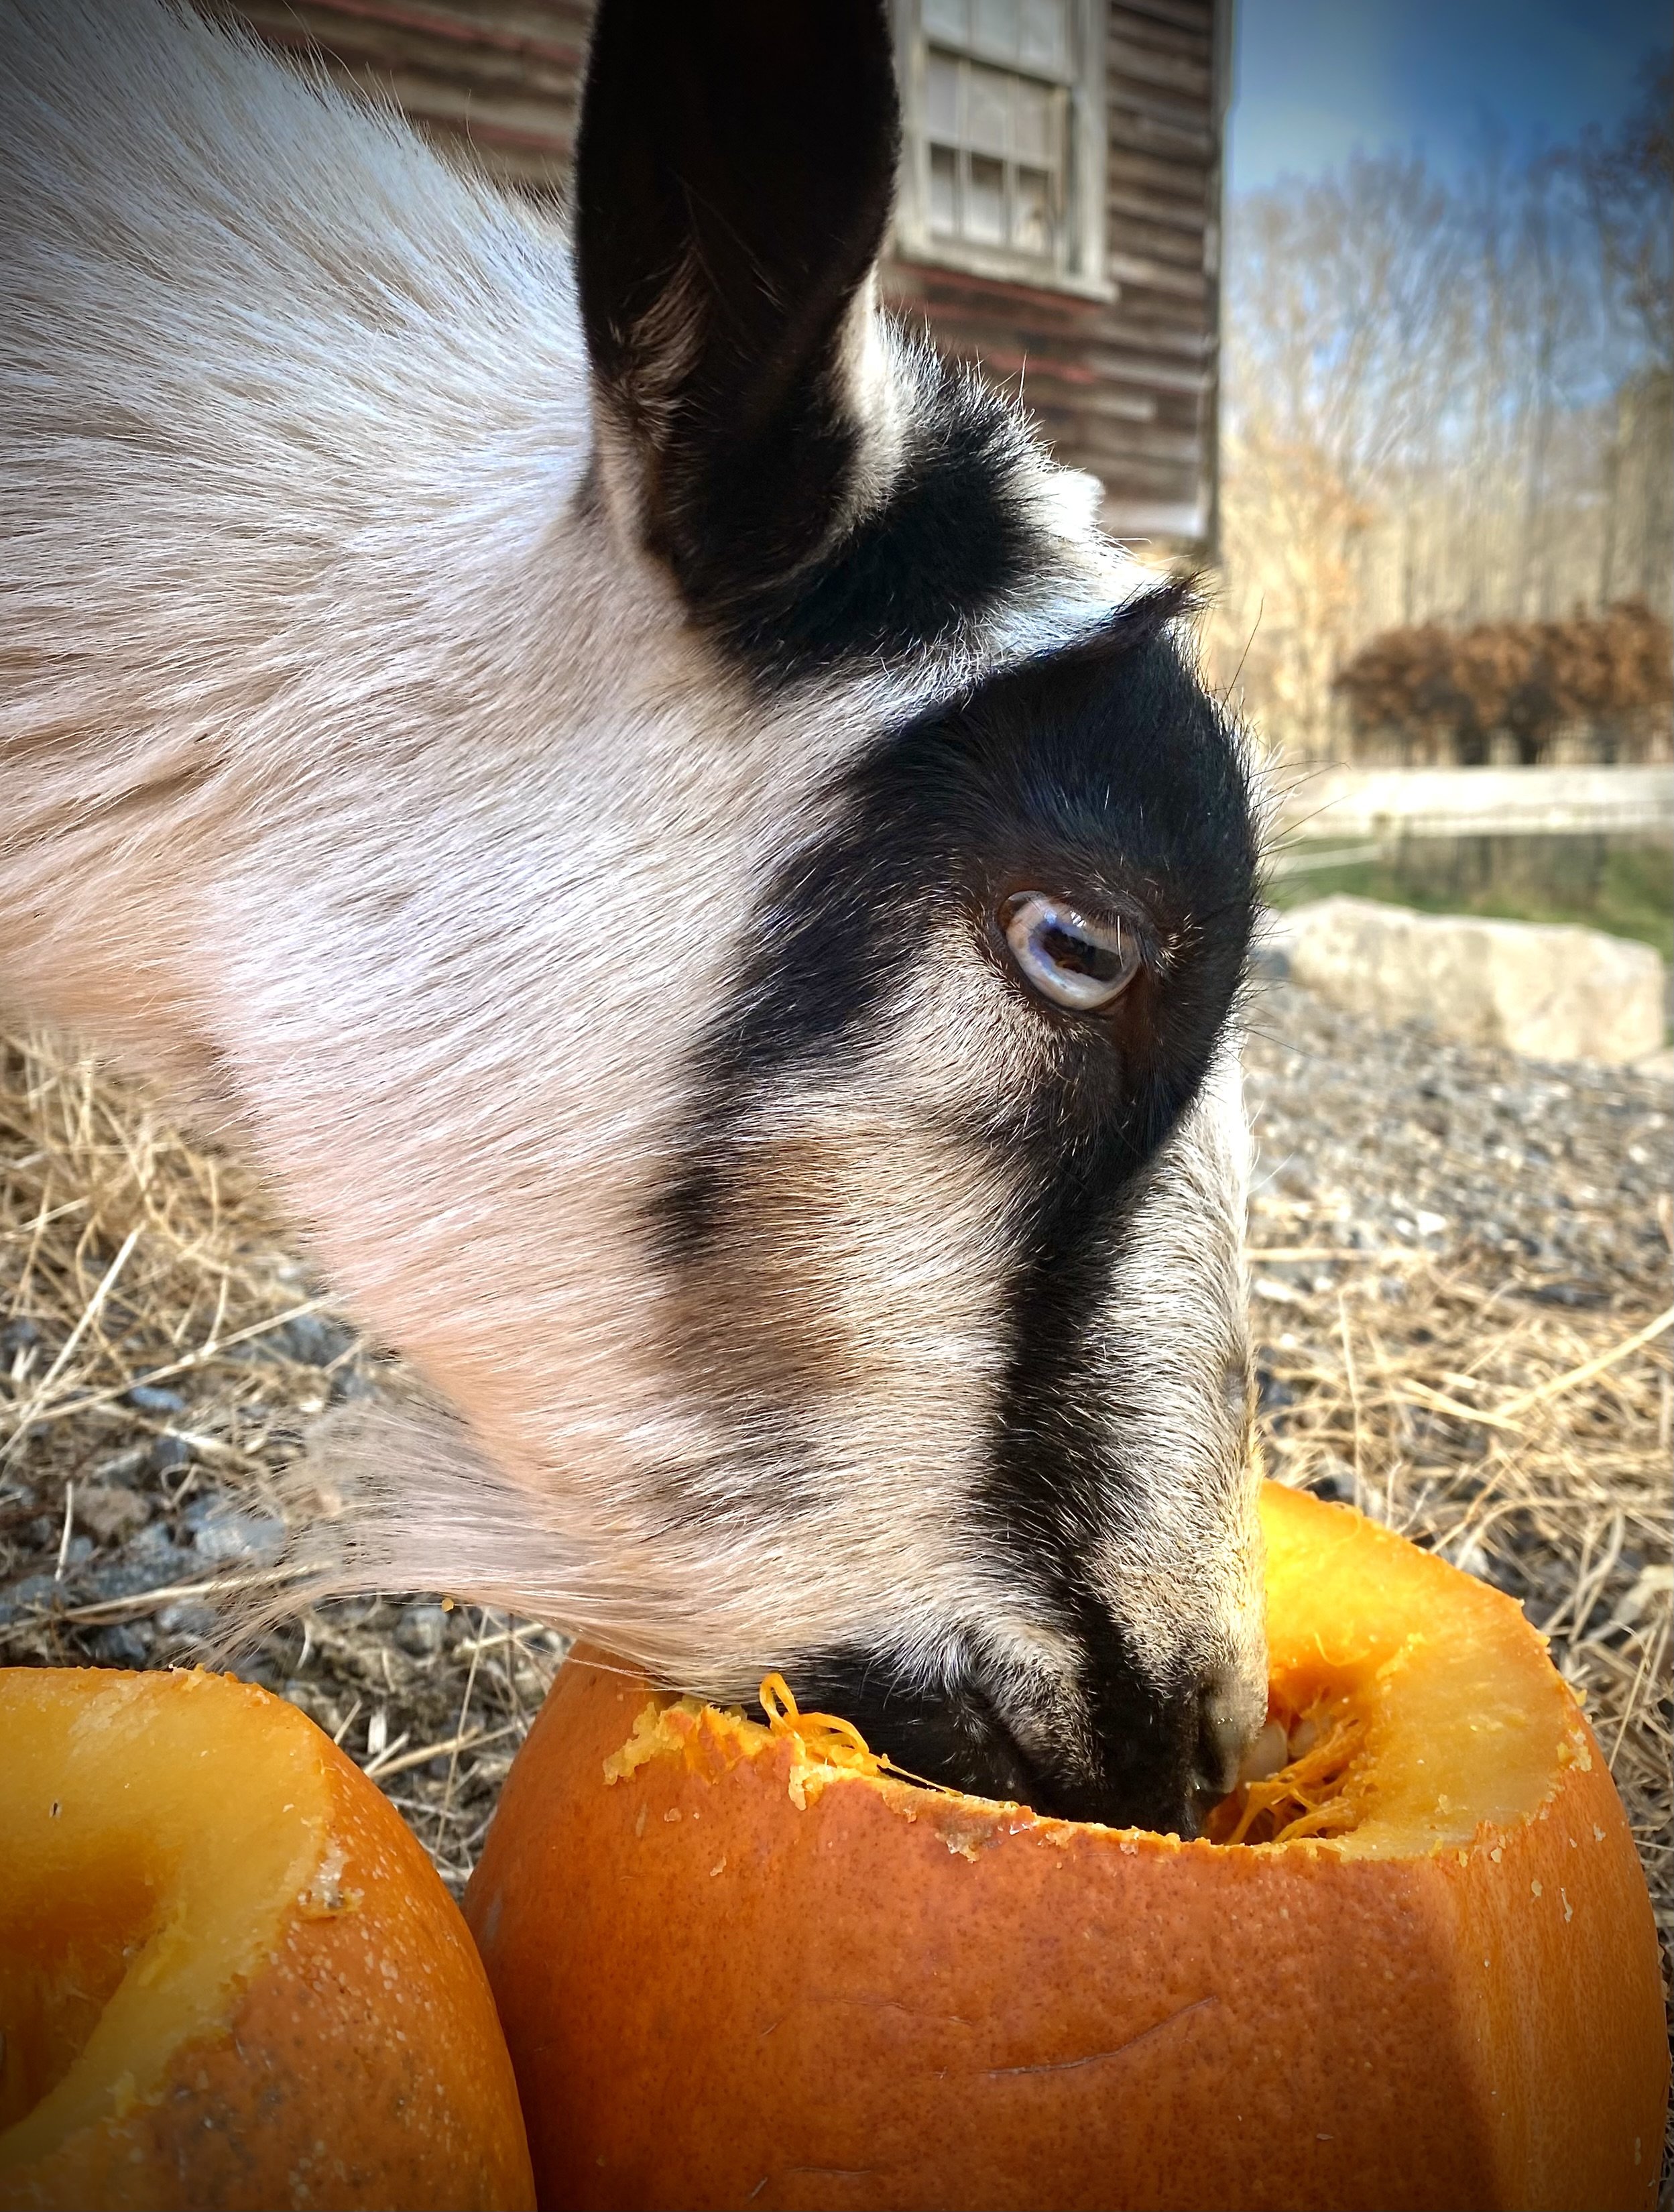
1550	992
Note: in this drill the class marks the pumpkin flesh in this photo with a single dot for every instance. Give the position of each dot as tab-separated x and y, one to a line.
739	1965
228	1974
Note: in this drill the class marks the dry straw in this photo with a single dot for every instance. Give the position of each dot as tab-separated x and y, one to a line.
151	1372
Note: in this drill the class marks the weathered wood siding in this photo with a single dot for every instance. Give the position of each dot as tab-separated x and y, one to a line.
1127	387
502	75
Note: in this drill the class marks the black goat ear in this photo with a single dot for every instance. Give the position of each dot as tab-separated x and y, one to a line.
735	171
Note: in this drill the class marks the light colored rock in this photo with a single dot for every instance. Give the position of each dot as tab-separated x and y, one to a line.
1551	993
109	1511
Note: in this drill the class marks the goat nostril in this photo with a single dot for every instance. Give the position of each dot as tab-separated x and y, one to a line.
1230	1727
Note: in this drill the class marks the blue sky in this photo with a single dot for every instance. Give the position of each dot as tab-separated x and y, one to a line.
1316	78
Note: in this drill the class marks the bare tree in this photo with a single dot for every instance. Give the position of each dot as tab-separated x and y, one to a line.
1440	408
1343	311
1627	181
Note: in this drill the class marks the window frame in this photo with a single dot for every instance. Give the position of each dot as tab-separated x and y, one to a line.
1080	266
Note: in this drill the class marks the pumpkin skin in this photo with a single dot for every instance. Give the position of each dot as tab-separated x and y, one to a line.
729	1975
229	1976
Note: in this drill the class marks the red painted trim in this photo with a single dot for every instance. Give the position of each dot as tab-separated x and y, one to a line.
1069	305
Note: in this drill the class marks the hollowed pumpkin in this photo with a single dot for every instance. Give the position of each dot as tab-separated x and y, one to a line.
228	1973
741	1966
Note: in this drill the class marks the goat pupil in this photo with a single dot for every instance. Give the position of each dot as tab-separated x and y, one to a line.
1064	950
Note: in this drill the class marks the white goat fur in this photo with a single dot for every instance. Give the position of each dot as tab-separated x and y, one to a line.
335	731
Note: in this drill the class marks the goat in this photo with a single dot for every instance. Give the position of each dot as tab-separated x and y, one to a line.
642	796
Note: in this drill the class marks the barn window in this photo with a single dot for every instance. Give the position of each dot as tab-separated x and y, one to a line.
1003	163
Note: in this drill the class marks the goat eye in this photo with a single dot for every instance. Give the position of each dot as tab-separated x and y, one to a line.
1072	959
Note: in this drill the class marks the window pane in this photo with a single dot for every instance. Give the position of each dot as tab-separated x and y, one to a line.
942	99
996	26
985	203
945	191
949	18
994	137
1031	107
988	109
1031	211
1045	42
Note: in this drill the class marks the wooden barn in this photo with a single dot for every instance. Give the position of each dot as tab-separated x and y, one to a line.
1059	216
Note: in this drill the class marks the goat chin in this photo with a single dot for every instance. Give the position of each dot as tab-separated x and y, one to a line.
393	1494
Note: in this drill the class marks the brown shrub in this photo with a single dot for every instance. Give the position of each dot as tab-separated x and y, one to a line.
1526	678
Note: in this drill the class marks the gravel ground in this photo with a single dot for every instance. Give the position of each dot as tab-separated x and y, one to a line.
1554	1177
1461	1266
1458	1261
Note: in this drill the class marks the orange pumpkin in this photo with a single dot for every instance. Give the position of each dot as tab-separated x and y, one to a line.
742	1965
228	1974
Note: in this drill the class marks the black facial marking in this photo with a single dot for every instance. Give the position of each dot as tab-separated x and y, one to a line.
1100	771
950	542
1144	1775
1050	1474
956	1738
1103	775
735	169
